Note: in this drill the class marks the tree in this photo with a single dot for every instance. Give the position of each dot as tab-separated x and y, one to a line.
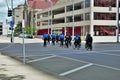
31	30
18	29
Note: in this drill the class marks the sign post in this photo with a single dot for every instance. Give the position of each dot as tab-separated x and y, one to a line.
23	50
12	28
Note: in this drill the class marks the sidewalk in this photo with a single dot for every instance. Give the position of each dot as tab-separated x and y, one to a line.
11	69
4	39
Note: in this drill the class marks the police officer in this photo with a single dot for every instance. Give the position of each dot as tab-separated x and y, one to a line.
61	39
53	36
89	40
77	41
49	38
45	37
57	38
67	41
70	38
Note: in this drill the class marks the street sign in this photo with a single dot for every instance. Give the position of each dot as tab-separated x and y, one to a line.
23	23
12	24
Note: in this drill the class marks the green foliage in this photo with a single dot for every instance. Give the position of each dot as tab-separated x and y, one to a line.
18	29
30	30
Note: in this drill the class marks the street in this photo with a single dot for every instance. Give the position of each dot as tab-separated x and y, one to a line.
102	63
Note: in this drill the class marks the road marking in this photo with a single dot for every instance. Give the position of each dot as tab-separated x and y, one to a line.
76	69
6	47
41	59
117	69
73	59
102	52
37	55
110	50
107	53
114	68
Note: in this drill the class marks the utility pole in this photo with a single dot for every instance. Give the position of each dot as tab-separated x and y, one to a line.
51	16
73	19
48	23
117	27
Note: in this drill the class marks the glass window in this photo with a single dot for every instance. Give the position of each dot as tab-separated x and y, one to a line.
104	16
100	30
0	26
82	5
38	16
105	3
38	23
87	16
87	3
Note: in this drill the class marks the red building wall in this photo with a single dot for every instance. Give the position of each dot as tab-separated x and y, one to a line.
41	32
77	31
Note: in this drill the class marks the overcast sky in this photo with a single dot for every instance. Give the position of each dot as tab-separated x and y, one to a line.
4	8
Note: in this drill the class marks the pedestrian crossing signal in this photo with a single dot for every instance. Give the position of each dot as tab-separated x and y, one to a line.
9	13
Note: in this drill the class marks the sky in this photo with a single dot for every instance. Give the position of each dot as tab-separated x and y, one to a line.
4	8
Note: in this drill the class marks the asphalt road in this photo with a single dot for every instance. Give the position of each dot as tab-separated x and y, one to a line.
102	63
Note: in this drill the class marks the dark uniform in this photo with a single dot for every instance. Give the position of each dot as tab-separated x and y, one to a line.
61	39
53	38
89	40
67	41
57	38
45	37
77	41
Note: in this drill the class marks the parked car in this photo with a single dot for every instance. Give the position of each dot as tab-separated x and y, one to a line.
26	36
29	36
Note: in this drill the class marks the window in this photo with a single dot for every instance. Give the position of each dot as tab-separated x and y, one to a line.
104	16
38	23
78	18
38	16
79	6
82	5
104	30
105	3
87	16
81	17
87	3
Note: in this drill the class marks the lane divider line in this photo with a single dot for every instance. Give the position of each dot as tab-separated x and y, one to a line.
41	59
76	69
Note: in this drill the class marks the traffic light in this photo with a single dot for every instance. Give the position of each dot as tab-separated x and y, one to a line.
10	28
9	13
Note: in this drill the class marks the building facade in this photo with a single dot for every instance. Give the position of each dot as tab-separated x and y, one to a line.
18	14
97	17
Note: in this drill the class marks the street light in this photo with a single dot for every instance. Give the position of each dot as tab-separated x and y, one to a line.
51	13
48	23
73	19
